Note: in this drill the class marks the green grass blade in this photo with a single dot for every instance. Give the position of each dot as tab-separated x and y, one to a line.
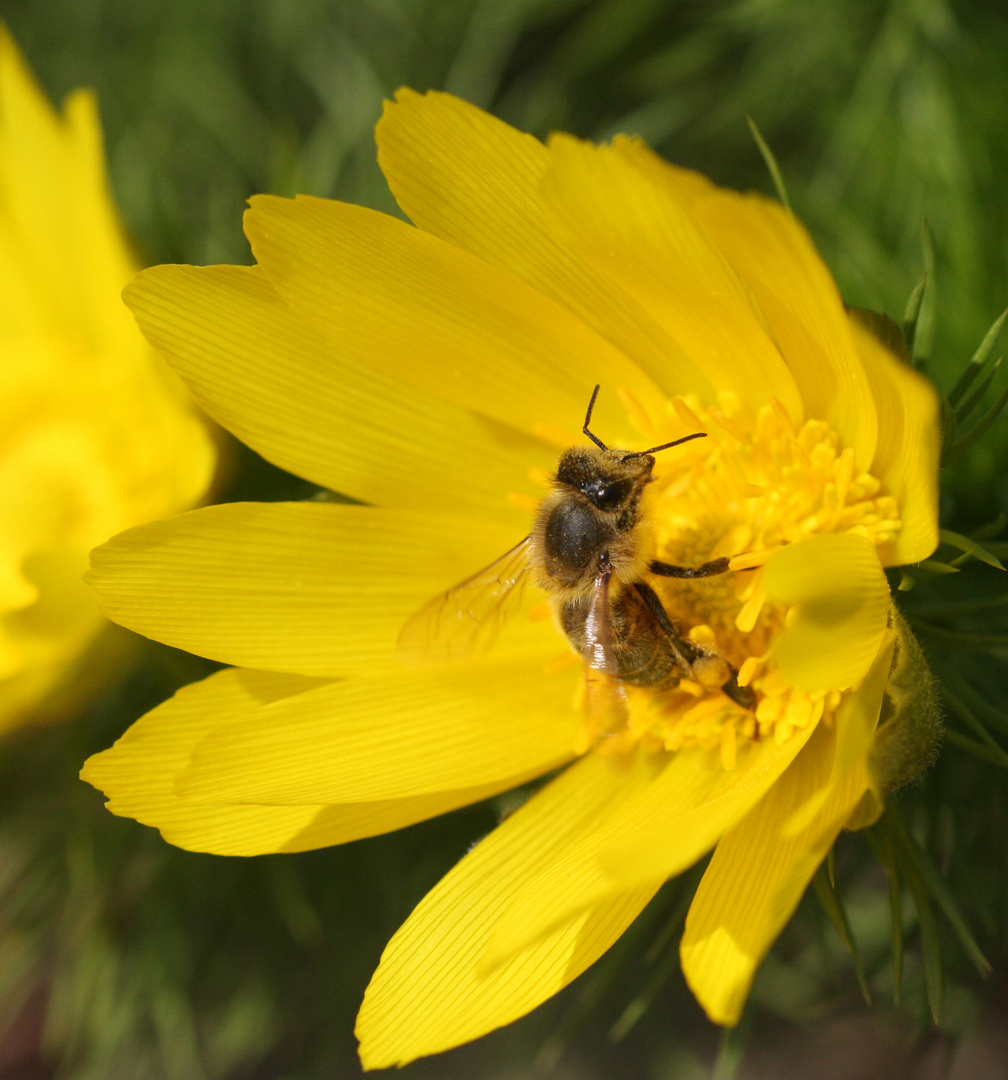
970	546
912	313
917	863
771	163
979	358
830	903
963	443
881	844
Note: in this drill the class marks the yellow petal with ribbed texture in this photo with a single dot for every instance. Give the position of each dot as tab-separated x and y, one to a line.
438	318
757	876
308	588
469	178
674	820
57	215
909	446
305	405
137	775
621	222
428	994
395	734
839	600
774	256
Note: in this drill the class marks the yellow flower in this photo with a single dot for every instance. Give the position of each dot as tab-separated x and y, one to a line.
95	433
434	372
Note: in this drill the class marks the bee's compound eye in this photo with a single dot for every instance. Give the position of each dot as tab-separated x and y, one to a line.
572	537
610	496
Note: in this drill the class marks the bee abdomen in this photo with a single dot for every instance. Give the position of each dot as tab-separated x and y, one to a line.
643	653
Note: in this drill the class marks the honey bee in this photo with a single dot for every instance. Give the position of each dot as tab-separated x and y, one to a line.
588	552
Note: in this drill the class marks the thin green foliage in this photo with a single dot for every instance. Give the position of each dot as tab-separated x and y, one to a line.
831	904
917	866
912	313
880	841
771	163
978	360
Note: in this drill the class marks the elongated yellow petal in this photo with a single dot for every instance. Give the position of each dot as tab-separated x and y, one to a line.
396	734
856	723
439	318
428	995
662	831
774	256
840	604
57	214
137	775
621	222
305	405
469	178
757	876
309	588
909	446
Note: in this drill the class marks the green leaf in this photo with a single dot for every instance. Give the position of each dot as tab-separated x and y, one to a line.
771	163
991	529
924	331
949	428
881	843
979	750
963	443
959	707
977	361
917	863
970	546
935	566
963	410
912	313
930	941
830	902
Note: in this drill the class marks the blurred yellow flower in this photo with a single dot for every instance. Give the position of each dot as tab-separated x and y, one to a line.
95	433
433	372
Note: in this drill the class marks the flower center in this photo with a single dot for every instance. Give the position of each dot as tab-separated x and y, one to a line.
755	483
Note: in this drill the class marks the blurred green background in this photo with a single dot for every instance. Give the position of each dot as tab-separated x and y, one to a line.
121	957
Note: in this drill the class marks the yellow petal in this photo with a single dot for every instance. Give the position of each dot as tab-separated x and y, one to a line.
57	214
440	319
473	180
840	604
307	406
774	256
656	833
909	446
308	588
856	723
621	222
757	876
398	733
427	994
138	774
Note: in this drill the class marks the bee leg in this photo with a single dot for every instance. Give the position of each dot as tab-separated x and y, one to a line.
687	650
660	616
707	569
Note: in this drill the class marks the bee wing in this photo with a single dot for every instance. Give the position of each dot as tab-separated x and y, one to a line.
465	620
606	703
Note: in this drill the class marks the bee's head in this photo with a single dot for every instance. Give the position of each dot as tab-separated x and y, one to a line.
609	479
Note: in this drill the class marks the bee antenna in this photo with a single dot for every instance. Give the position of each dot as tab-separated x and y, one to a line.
591	405
664	446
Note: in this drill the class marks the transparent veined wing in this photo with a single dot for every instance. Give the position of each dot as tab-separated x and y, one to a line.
606	708
465	620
